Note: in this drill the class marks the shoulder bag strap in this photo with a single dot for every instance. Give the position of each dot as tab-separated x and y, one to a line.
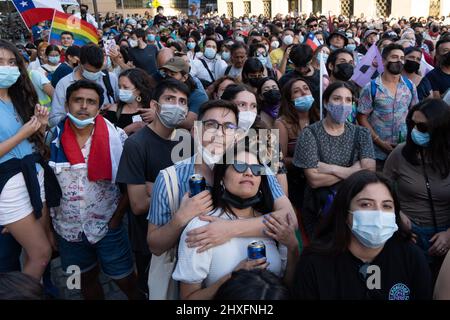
430	198
207	69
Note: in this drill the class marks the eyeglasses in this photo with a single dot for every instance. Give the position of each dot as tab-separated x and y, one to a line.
256	169
211	126
421	126
313	25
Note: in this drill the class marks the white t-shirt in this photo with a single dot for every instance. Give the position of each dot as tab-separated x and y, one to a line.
212	264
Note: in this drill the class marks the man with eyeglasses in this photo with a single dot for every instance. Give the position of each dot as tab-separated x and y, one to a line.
216	134
145	153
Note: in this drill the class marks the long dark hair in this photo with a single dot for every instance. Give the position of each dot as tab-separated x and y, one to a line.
287	109
333	234
24	97
437	154
259	94
142	82
265	205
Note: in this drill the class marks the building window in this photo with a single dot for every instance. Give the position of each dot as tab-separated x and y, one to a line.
293	6
230	12
247	7
131	4
383	8
267	8
317	6
347	7
435	8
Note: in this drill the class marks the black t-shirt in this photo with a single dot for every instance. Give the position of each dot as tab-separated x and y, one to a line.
144	154
404	275
124	120
313	80
159	19
440	81
144	58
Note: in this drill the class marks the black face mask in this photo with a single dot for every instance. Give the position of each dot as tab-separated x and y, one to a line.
272	97
446	59
163	38
238	202
395	67
397	31
253	82
411	66
343	71
266	34
435	29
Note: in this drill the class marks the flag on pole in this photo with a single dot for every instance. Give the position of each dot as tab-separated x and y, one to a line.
324	81
83	32
312	41
35	11
425	67
365	69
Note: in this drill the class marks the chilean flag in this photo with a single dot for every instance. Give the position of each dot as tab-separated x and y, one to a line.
312	41
35	11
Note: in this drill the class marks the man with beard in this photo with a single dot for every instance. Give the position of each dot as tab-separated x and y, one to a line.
440	76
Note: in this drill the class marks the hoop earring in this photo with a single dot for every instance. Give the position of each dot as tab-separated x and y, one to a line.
138	99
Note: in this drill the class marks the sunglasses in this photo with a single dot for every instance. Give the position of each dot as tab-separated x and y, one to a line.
422	127
256	169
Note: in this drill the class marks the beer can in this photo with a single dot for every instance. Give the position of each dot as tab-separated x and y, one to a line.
197	184
256	250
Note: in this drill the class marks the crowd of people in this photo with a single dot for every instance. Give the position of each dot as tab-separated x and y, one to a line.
99	144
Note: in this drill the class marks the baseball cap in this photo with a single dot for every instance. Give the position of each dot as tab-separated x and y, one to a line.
369	32
176	64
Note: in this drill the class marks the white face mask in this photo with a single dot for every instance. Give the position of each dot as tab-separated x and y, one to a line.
209	158
93	76
288	40
246	120
373	228
133	43
275	44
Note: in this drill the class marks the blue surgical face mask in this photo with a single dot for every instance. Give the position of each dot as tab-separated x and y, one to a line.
8	76
54	60
151	37
93	76
126	96
324	57
333	48
210	53
262	59
226	55
191	45
304	103
373	228
351	47
80	124
422	139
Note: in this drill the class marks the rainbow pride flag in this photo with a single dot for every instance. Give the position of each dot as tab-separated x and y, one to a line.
83	32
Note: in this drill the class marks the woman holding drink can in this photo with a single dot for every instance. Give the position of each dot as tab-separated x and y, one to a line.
240	191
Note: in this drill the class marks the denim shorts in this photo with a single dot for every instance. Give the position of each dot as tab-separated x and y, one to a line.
113	252
424	234
10	251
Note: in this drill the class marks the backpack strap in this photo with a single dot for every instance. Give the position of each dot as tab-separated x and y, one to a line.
108	86
227	70
373	91
207	69
317	142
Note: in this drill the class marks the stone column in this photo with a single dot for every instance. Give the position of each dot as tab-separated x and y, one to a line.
333	6
445	7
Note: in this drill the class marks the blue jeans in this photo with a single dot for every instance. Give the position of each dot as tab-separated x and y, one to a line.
113	252
10	251
424	234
